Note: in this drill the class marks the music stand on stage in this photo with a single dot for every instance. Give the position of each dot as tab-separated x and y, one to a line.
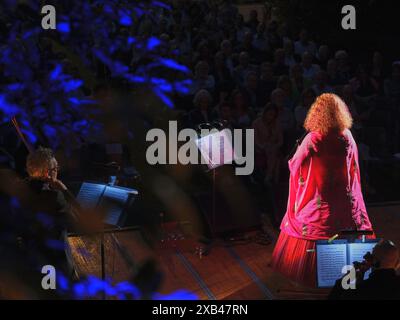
343	249
217	150
116	199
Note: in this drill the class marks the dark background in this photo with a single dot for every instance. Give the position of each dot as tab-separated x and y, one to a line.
377	24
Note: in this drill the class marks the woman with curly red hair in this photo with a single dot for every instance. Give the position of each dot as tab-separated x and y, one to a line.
324	189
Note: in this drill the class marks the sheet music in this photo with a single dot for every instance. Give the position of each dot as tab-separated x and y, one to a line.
356	252
114	199
216	148
331	258
89	194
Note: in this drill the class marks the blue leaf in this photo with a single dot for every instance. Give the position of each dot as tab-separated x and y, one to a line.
161	4
152	43
8	109
49	131
168	102
177	295
125	19
30	135
56	72
72	85
64	27
131	40
172	64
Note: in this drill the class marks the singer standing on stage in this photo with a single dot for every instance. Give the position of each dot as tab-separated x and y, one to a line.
324	190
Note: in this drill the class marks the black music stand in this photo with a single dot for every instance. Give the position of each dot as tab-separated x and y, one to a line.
118	198
213	148
120	247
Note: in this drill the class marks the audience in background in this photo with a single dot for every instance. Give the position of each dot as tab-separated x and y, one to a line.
202	111
247	63
241	64
310	69
242	113
300	112
304	44
268	140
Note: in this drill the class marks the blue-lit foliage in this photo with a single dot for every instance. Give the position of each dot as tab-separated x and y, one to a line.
91	287
177	295
39	88
48	98
94	287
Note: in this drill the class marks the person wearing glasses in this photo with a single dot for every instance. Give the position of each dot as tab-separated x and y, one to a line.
53	209
43	168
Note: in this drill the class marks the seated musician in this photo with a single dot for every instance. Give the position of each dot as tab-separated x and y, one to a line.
53	205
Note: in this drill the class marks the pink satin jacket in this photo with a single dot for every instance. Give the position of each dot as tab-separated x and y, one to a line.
324	188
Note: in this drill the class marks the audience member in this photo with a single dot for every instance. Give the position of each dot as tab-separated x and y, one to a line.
268	140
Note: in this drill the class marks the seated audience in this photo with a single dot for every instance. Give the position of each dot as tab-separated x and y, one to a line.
304	44
392	84
253	90
268	140
267	81
202	111
309	68
285	116
291	96
226	49
378	70
364	85
221	72
333	78
260	41
343	67
279	66
299	83
242	113
321	83
242	68
323	56
290	58
300	112
202	79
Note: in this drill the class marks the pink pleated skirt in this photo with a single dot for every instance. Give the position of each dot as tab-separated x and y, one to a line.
295	259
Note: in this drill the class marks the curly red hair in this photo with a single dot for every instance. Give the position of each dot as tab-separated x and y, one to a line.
328	113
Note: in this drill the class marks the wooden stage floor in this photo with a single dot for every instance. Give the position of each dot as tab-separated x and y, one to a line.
236	272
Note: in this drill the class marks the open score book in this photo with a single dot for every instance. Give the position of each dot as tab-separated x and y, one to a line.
332	257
